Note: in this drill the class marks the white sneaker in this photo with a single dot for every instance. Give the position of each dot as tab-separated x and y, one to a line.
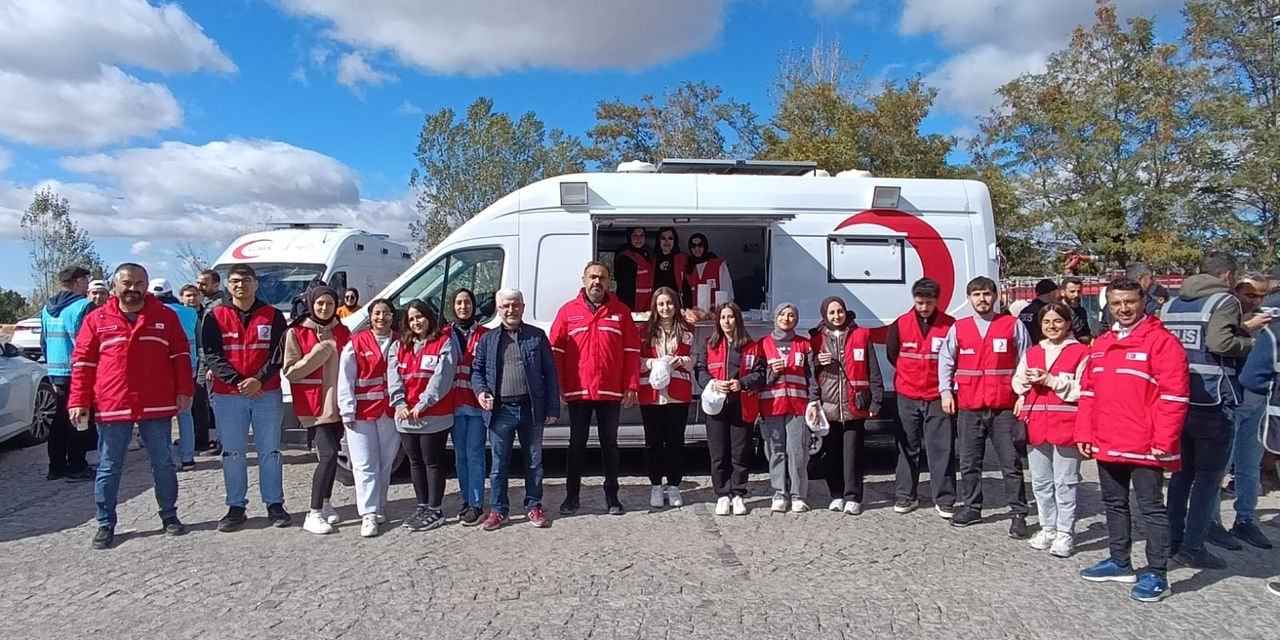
1042	540
836	505
779	505
799	506
853	508
739	506
673	497
369	526
380	517
315	524
330	514
1063	546
722	506
655	496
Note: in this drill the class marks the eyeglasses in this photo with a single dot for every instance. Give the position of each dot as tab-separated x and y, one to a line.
696	245
237	282
349	297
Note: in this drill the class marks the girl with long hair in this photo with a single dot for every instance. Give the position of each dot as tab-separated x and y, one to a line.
372	440
666	342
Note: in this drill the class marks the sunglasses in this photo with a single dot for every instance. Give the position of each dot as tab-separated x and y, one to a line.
693	245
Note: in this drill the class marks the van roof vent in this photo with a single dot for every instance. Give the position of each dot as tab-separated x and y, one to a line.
819	173
854	173
739	167
637	166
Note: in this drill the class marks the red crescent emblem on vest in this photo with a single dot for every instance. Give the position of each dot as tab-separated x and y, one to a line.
935	258
244	251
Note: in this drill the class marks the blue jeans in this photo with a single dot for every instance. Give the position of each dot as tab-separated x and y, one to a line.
186	437
113	447
511	421
234	415
468	451
1246	457
1193	491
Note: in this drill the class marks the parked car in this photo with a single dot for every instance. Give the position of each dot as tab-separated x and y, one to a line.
27	398
26	336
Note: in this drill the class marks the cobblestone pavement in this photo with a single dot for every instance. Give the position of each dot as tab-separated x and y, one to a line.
681	573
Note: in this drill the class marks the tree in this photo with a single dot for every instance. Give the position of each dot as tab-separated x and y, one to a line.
693	121
1103	144
465	166
13	306
54	240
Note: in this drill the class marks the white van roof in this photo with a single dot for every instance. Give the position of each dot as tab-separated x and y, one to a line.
302	245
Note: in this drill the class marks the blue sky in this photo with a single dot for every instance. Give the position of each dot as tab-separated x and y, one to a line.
189	122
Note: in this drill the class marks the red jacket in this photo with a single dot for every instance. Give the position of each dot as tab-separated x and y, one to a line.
985	364
1050	420
131	371
681	387
1134	397
597	352
462	395
916	374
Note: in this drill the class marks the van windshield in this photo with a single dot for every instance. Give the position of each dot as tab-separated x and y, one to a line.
279	283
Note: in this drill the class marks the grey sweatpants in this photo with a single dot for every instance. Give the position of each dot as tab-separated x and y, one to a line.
786	444
1055	472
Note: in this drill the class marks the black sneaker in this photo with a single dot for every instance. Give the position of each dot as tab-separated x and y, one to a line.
1249	532
471	516
906	505
55	475
234	519
414	521
569	507
1219	537
214	450
104	538
173	526
278	516
1199	560
1018	528
433	518
617	509
966	517
84	475
187	466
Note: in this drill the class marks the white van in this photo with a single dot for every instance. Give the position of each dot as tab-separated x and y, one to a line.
788	233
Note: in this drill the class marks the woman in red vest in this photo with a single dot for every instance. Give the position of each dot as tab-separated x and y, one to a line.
372	440
666	343
468	421
705	267
633	271
731	364
1048	383
785	407
851	391
420	378
311	348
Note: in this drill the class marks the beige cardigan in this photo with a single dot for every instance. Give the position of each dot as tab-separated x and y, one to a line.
298	365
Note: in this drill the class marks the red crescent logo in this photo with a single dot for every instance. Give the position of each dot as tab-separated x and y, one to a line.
935	258
241	252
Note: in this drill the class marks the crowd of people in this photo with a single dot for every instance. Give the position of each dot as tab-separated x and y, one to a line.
1178	389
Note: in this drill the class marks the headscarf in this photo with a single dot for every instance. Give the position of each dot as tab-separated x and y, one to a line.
823	325
778	334
315	293
465	325
706	253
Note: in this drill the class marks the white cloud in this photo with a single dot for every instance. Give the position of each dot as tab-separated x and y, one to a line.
489	37
354	71
299	76
968	81
140	247
110	108
833	7
407	108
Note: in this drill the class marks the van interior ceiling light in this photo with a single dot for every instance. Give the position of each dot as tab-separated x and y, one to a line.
886	197
573	194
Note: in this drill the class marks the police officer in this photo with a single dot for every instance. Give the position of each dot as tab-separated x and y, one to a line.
59	322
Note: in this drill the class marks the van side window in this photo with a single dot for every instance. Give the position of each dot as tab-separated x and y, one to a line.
478	269
338	281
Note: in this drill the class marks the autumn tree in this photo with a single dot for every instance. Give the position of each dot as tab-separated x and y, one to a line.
13	306
54	240
464	166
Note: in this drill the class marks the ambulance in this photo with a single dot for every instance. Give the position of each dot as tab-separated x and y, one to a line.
788	231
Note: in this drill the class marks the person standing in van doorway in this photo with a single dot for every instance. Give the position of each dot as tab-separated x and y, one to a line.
666	350
787	401
975	378
350	302
468	419
912	347
597	351
851	390
670	264
242	344
634	270
707	268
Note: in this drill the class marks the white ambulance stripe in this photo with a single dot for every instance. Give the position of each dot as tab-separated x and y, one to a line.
1137	374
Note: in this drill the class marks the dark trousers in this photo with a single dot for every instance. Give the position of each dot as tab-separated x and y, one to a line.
201	416
924	428
426	453
1116	478
1008	437
328	444
607	413
842	459
1207	433
729	441
66	446
664	426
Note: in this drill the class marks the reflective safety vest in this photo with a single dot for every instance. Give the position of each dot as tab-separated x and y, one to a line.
416	369
644	279
1214	379
916	373
1270	435
462	395
707	273
718	360
985	364
247	348
789	395
59	338
681	387
308	392
372	400
1050	420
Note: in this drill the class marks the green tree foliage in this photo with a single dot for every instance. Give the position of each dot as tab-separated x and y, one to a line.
464	166
13	306
54	240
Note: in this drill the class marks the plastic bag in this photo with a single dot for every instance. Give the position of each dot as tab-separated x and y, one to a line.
660	373
821	427
712	400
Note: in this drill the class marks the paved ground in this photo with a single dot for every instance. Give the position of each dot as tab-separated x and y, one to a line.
674	574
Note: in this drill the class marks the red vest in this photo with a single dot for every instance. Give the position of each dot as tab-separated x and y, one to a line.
707	273
1049	419
371	398
718	359
985	365
790	394
681	387
416	369
308	393
247	348
644	279
857	371
462	395
916	373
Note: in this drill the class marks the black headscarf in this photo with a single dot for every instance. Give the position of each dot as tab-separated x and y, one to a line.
707	254
313	294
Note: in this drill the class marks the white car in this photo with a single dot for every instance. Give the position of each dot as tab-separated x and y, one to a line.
28	400
26	336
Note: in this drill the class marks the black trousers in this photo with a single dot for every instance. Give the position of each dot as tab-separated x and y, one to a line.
1116	478
66	446
426	453
607	413
328	444
841	456
1008	437
729	441
664	427
201	415
924	428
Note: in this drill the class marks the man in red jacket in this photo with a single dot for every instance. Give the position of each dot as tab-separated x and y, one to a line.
597	352
132	363
1133	400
